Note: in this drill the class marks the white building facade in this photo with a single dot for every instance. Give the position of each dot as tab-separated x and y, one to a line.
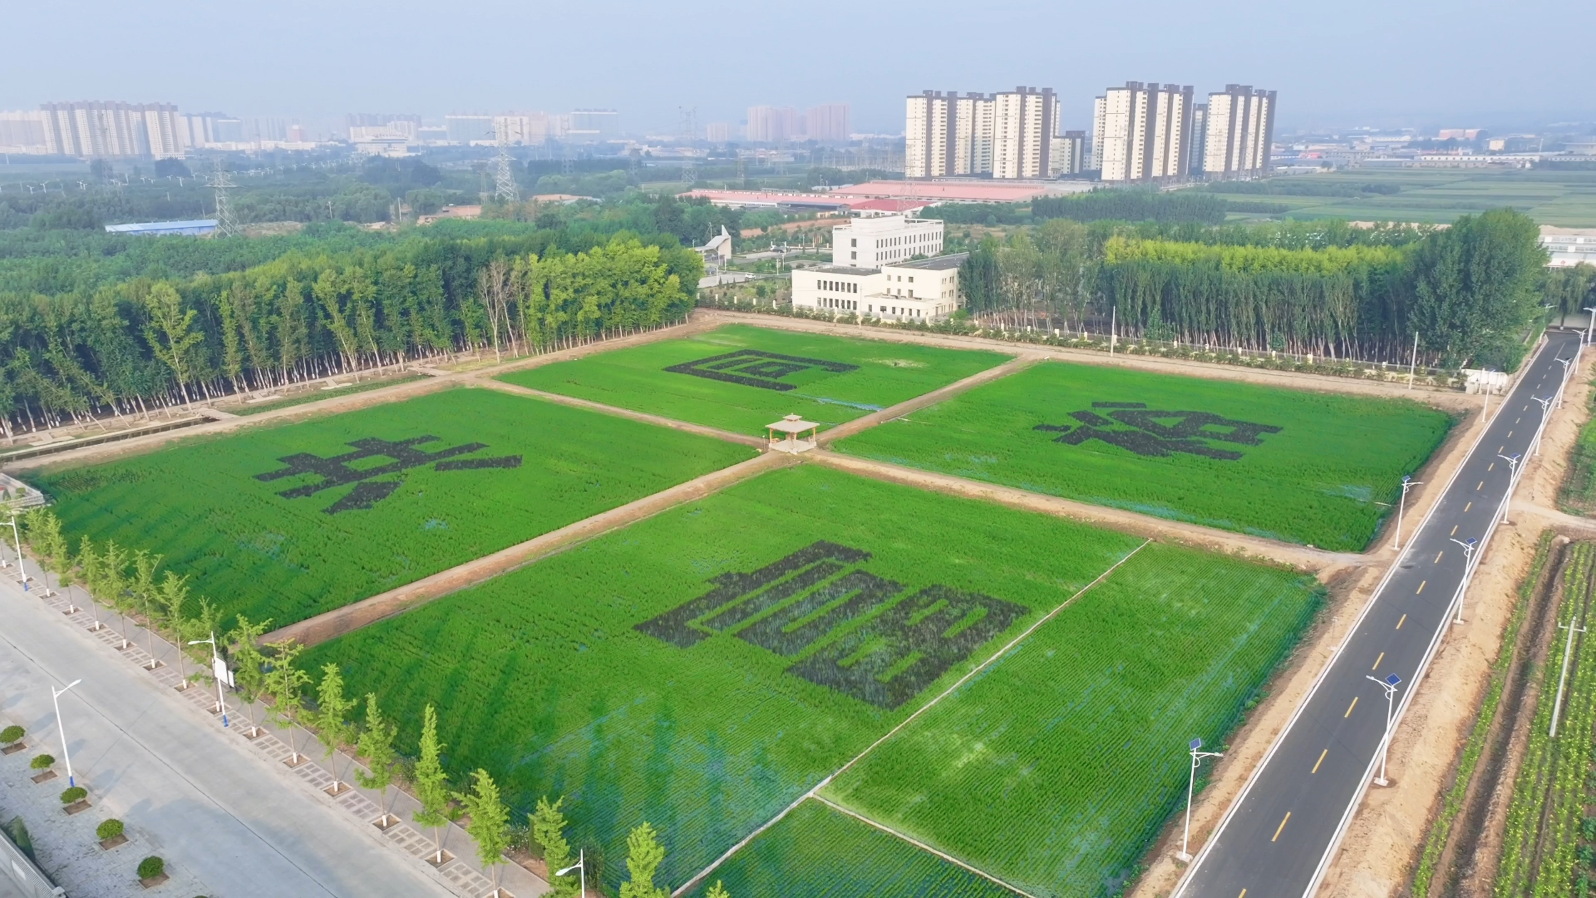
1567	247
1024	123
1142	132
1238	133
873	242
112	129
925	290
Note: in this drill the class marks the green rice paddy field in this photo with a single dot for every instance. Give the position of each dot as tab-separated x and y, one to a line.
1297	466
828	380
705	668
1563	198
535	467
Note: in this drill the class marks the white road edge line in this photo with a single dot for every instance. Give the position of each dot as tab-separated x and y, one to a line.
702	874
1324	672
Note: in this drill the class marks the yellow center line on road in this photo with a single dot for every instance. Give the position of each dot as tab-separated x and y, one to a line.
1400	622
1350	707
1281	827
1468	506
1438	556
1421	587
1454	530
1516	420
1477	489
1377	661
1501	447
1510	434
1320	761
1243	894
1490	468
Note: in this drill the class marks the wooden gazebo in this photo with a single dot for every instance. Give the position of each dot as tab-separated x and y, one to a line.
786	435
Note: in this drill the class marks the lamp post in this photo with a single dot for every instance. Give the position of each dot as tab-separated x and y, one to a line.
1512	478
1389	684
1546	411
1407	484
1590	321
1565	363
581	867
218	670
16	538
1468	571
1572	627
1197	755
55	696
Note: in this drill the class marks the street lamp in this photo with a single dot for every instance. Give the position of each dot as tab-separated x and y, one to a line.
55	696
1468	570
1589	322
1565	363
1546	410
1197	755
581	866
1389	684
1512	477
218	671
1407	484
22	571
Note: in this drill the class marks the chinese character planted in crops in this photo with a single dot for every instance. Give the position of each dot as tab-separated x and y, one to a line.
1144	431
340	470
804	606
753	368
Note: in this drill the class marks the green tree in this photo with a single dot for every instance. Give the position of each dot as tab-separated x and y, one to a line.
376	746
717	891
146	592
171	333
171	601
249	673
548	833
332	715
286	684
113	580
1476	288
431	783
489	821
644	854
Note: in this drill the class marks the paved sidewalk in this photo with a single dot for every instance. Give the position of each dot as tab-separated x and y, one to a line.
210	800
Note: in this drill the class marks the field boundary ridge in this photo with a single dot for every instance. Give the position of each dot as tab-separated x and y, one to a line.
920	845
909	406
617	411
814	792
356	615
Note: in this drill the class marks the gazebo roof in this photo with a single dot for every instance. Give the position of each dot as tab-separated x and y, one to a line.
793	424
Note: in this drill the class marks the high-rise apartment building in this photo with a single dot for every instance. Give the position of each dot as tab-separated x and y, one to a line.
1068	155
521	128
1240	131
948	135
468	128
774	124
22	132
112	129
1142	132
828	122
594	125
718	132
1024	123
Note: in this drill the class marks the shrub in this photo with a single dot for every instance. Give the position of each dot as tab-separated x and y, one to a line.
108	829
76	793
151	867
11	734
42	762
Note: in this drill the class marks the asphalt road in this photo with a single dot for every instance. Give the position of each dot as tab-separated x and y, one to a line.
199	798
1279	836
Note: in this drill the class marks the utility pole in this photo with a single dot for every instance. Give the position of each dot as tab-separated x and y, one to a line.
226	222
505	189
1572	627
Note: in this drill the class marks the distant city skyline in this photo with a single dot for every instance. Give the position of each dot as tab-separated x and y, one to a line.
1421	63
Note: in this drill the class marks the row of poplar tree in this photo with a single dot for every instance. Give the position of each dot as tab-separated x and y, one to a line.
133	585
146	343
1470	291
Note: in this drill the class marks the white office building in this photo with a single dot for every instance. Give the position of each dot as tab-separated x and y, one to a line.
1567	247
873	242
925	290
1238	133
1142	132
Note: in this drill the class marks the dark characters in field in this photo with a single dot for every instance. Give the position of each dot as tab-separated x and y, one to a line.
337	470
756	368
1135	427
797	606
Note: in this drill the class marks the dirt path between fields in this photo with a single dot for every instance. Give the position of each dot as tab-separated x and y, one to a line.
384	605
471	375
619	412
849	428
1450	400
1234	544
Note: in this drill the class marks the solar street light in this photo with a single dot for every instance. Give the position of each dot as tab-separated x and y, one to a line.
1389	684
1468	571
55	696
1197	755
581	867
1407	484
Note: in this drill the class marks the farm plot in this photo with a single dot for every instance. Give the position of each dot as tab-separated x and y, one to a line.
1055	768
287	522
816	852
741	378
703	668
1301	467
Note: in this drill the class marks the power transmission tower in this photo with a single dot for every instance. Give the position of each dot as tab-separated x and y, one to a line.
689	134
505	189
226	221
566	165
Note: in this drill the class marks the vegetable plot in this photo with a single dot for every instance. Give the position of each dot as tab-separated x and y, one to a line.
741	378
1055	768
1296	466
703	668
287	522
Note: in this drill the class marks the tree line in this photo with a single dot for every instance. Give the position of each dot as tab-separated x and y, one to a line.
142	343
132	585
1470	291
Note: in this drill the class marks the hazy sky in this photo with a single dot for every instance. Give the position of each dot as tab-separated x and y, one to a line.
1421	62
